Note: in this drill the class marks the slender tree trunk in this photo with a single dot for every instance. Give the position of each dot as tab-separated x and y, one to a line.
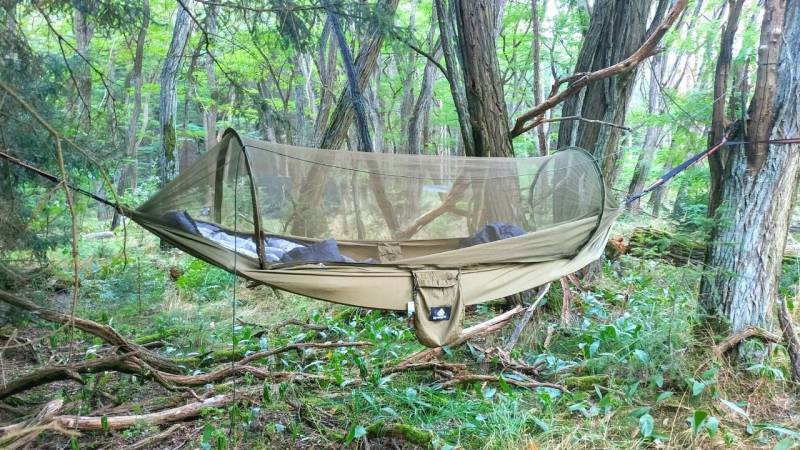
757	188
210	113
617	28
326	62
537	68
652	135
307	217
167	164
129	172
83	29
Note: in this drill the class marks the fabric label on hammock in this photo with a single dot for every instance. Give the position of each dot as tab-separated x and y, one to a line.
440	313
439	309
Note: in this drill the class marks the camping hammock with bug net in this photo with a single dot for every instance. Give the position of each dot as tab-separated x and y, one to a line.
388	231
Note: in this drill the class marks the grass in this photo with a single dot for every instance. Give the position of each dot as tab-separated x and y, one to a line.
637	364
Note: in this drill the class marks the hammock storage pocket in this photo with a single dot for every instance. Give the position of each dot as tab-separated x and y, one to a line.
438	306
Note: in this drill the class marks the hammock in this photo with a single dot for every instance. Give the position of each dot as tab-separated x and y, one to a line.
412	232
426	234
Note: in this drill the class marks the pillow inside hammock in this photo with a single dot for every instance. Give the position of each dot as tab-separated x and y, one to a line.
492	232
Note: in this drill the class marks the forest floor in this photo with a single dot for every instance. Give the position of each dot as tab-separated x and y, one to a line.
637	366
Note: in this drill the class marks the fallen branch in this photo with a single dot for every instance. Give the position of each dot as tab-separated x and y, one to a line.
158	437
299	323
302	346
104	332
512	341
480	329
21	434
430	365
746	333
170	415
790	336
66	372
579	80
472	377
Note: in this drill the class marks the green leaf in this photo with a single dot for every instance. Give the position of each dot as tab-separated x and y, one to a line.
104	423
697	388
658	379
646	425
735	408
785	444
639	412
712	425
73	443
663	396
697	420
642	355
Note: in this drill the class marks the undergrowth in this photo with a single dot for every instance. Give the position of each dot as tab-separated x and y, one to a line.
637	364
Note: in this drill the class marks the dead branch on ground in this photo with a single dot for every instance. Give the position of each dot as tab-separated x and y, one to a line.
731	341
512	341
104	332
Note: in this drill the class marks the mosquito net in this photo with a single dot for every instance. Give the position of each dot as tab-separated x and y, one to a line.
281	204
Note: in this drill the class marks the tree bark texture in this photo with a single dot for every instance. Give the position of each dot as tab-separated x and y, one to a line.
718	120
758	185
616	30
488	114
167	163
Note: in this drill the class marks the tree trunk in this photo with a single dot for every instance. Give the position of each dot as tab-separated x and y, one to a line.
455	75
83	30
644	163
537	67
718	121
757	188
486	102
307	217
167	163
210	113
617	28
128	172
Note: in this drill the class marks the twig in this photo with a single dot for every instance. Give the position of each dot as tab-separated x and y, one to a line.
512	341
301	346
746	333
299	323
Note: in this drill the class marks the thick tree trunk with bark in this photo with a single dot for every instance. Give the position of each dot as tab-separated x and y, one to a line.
488	114
757	189
616	30
167	163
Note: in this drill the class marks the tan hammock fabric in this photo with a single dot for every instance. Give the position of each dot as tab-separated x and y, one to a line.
392	214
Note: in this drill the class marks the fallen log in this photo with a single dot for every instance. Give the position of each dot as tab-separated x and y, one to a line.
104	332
677	249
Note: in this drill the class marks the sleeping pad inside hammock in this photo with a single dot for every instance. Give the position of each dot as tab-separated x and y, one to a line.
383	230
